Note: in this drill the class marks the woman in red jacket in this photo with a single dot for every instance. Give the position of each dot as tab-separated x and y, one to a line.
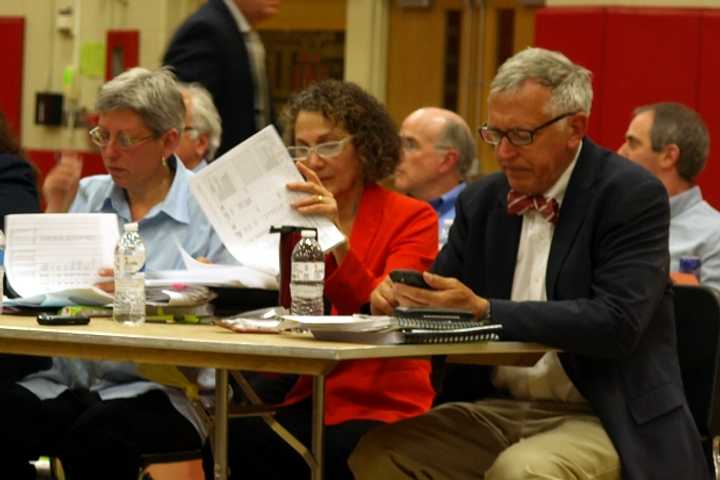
344	142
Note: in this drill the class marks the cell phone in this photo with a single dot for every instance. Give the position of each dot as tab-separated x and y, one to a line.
435	313
409	277
48	319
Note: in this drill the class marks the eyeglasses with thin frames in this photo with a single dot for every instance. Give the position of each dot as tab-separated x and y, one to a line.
101	138
409	144
324	150
519	137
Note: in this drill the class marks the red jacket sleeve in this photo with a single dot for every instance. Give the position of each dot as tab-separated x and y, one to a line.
390	231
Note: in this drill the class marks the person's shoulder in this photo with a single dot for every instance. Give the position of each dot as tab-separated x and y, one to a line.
11	162
210	20
489	186
95	188
615	168
11	158
707	216
394	200
95	181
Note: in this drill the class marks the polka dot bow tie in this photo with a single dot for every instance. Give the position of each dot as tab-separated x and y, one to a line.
519	203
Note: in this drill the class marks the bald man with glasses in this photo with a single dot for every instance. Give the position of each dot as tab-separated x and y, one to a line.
438	152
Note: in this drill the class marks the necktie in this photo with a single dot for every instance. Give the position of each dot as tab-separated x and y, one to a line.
519	203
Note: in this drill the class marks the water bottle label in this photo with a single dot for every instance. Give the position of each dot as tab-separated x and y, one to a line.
308	271
306	291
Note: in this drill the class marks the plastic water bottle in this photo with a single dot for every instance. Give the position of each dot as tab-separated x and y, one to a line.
691	264
2	268
307	276
129	306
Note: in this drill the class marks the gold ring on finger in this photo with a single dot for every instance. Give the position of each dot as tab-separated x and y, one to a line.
319	198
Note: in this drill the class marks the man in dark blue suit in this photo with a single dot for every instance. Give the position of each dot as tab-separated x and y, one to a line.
218	48
567	246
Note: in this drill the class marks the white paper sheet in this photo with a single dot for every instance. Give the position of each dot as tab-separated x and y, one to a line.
220	276
243	193
53	253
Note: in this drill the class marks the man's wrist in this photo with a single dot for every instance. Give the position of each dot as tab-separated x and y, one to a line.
482	311
488	311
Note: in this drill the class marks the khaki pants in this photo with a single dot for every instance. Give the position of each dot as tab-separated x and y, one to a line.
491	439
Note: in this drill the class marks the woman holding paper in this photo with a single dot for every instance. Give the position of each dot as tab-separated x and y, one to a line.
344	142
101	416
141	117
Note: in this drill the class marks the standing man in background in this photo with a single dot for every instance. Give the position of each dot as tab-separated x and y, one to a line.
438	151
671	140
218	47
201	136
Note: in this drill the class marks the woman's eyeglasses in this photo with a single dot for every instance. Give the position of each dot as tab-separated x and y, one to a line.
101	138
324	150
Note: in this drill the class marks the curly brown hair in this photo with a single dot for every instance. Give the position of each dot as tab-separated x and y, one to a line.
346	105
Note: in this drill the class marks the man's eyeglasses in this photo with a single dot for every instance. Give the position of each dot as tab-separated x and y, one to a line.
325	150
409	144
519	137
101	138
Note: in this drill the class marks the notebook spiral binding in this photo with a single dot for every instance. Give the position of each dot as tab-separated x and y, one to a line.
484	333
406	323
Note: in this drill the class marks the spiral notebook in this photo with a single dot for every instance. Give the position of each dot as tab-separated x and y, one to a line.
445	332
407	325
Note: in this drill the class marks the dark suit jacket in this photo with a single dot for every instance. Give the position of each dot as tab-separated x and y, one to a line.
610	306
209	49
18	188
18	194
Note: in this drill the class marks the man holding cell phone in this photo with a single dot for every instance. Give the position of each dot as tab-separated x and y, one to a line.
566	246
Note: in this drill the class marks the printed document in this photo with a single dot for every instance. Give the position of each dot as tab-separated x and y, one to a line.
243	194
53	259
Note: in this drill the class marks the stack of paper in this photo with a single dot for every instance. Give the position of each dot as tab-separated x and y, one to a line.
385	330
367	329
243	194
52	260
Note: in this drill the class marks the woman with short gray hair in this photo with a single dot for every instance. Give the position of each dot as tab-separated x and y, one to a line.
101	416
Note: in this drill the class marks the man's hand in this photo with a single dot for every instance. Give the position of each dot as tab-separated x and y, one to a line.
61	184
444	292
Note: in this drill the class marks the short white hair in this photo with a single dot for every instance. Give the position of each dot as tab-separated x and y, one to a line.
152	94
570	84
205	117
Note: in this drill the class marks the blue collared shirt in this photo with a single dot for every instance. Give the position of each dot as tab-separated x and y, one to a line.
445	208
177	217
695	230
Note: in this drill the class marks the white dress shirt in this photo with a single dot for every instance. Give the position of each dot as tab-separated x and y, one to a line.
546	380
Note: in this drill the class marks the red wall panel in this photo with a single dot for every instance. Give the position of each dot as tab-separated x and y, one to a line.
560	28
652	55
12	39
122	52
639	56
708	102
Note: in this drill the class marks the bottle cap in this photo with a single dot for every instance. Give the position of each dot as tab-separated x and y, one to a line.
131	227
690	264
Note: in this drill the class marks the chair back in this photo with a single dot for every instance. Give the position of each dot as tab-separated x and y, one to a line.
697	323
